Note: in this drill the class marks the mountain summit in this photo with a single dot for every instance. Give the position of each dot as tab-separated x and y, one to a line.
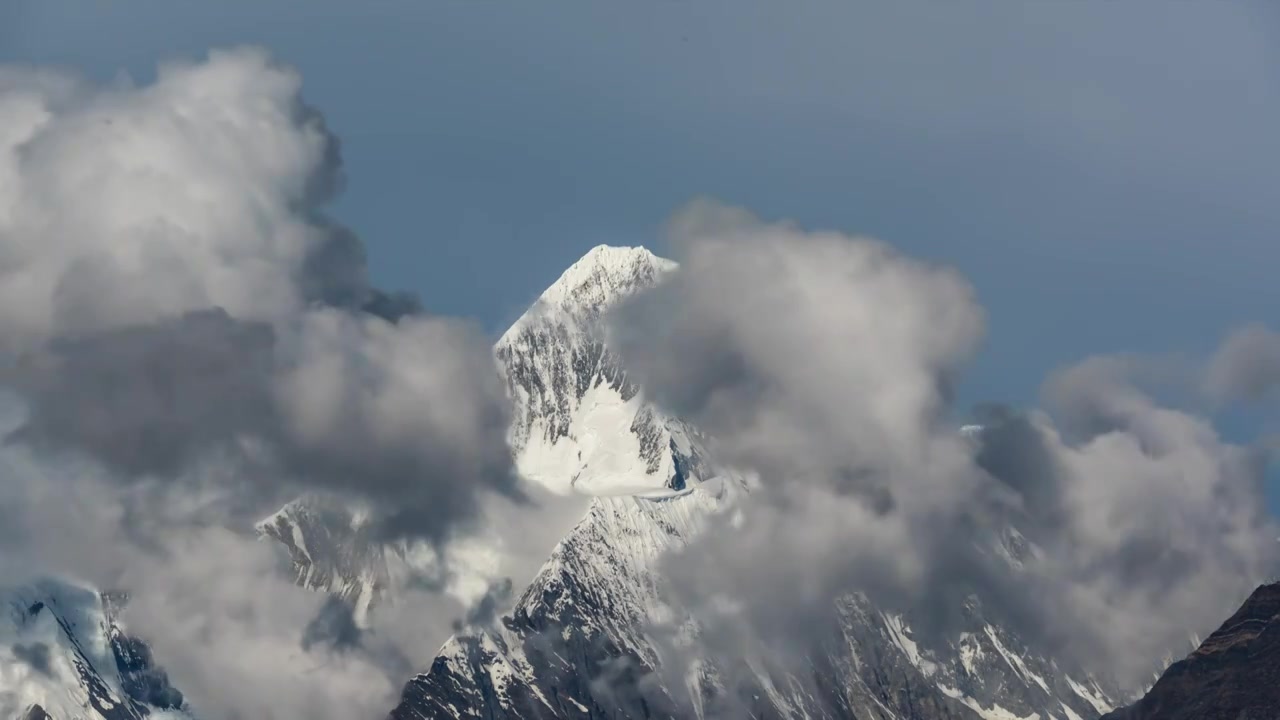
593	285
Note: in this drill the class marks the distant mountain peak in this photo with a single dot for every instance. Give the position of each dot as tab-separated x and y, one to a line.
579	424
605	273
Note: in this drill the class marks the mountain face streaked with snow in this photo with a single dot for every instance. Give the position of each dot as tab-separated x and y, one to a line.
65	656
580	641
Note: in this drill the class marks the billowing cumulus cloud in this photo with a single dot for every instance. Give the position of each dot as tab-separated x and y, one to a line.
127	205
218	607
821	364
219	615
173	294
828	356
1162	524
188	341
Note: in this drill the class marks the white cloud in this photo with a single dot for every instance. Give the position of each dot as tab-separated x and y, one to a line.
124	205
822	363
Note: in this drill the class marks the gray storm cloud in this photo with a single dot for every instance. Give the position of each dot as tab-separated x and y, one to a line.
821	364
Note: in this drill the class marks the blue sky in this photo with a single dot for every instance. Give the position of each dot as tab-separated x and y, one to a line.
1106	174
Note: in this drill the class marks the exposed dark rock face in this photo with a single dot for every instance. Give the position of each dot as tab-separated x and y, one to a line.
35	712
1233	675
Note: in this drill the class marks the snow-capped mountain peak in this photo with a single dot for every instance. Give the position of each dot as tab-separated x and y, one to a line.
579	424
593	284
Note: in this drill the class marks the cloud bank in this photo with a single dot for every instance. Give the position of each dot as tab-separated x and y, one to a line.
821	364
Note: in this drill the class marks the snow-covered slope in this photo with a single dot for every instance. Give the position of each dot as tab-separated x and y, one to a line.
580	642
64	655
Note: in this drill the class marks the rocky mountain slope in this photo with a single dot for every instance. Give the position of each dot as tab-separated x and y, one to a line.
582	641
1233	675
